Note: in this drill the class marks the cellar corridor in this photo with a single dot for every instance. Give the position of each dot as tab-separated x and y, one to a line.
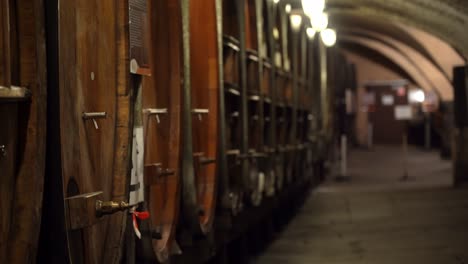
233	131
376	218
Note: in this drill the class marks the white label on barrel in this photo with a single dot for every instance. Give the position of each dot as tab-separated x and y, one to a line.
137	194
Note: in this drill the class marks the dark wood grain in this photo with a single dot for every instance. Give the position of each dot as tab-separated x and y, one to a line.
205	90
162	90
23	65
8	139
91	47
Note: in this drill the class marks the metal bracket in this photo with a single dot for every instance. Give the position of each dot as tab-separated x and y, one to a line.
235	114
232	46
206	160
93	116
156	112
200	112
202	160
154	172
254	98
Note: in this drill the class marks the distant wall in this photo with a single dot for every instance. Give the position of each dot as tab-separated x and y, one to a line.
366	70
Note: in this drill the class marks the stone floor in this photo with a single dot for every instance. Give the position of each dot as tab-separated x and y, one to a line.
382	169
376	219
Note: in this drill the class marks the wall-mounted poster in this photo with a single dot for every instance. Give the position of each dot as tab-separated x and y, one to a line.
139	27
403	112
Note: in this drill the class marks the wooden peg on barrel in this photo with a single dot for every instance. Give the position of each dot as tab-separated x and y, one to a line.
155	112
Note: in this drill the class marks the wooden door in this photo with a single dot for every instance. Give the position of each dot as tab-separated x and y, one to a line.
387	130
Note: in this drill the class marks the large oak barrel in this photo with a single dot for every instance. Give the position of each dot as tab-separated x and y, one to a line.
281	129
22	133
161	103
256	178
205	91
94	126
268	118
290	135
232	198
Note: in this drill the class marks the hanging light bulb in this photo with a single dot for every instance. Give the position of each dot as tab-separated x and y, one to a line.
288	8
276	33
416	96
296	21
310	33
319	21
276	1
312	7
328	37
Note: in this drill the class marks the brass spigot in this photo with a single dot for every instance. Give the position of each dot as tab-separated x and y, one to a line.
110	207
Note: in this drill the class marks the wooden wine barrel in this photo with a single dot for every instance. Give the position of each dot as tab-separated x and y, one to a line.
289	147
268	127
161	102
235	42
266	91
253	79
94	132
22	133
300	152
301	162
205	92
288	89
232	103
307	155
256	177
281	128
281	146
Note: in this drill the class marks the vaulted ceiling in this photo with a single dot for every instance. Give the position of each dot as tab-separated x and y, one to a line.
426	38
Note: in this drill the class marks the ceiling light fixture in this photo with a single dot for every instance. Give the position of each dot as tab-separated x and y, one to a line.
328	37
296	21
312	7
319	21
310	33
